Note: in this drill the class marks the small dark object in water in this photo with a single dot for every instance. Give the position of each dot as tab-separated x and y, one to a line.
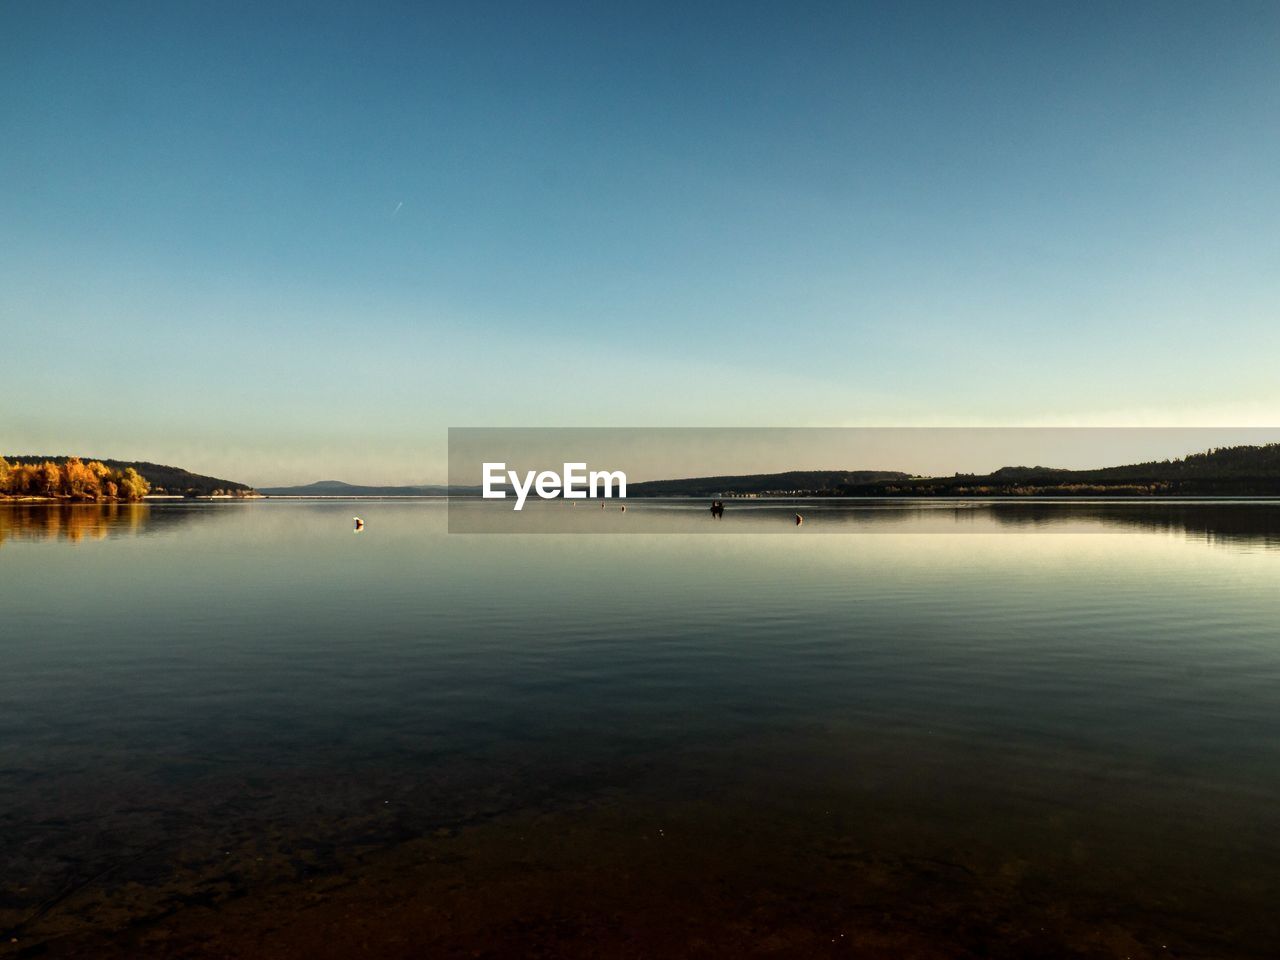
799	519
359	523
717	508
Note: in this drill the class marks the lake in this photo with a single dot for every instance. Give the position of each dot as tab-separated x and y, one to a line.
901	729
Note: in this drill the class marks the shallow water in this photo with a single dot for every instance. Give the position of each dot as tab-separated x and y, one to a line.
1056	734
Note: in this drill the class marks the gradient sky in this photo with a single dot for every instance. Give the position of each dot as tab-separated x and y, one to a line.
280	245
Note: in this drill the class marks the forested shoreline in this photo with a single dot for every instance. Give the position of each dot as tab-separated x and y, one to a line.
36	477
72	479
1239	471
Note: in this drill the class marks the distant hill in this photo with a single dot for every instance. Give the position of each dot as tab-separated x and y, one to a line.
1244	471
163	479
337	488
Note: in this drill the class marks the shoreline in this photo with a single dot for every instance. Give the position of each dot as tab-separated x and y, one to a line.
149	498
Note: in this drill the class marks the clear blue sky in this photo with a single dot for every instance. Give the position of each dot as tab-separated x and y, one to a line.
268	243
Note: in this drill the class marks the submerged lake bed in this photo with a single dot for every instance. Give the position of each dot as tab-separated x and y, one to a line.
957	729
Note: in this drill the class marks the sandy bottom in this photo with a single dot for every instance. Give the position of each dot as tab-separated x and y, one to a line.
594	883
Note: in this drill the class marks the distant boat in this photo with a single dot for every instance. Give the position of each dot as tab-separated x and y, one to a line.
799	519
359	524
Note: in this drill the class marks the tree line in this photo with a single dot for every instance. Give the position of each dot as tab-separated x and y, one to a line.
72	479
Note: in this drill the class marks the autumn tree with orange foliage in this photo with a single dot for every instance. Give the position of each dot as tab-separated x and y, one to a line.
72	480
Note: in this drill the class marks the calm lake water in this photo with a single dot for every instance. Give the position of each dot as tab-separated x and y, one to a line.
228	727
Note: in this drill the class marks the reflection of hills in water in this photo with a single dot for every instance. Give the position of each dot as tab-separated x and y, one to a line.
1238	522
86	521
1244	522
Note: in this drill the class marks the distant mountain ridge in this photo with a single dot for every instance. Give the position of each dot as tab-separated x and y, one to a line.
1245	471
163	479
339	488
1241	471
